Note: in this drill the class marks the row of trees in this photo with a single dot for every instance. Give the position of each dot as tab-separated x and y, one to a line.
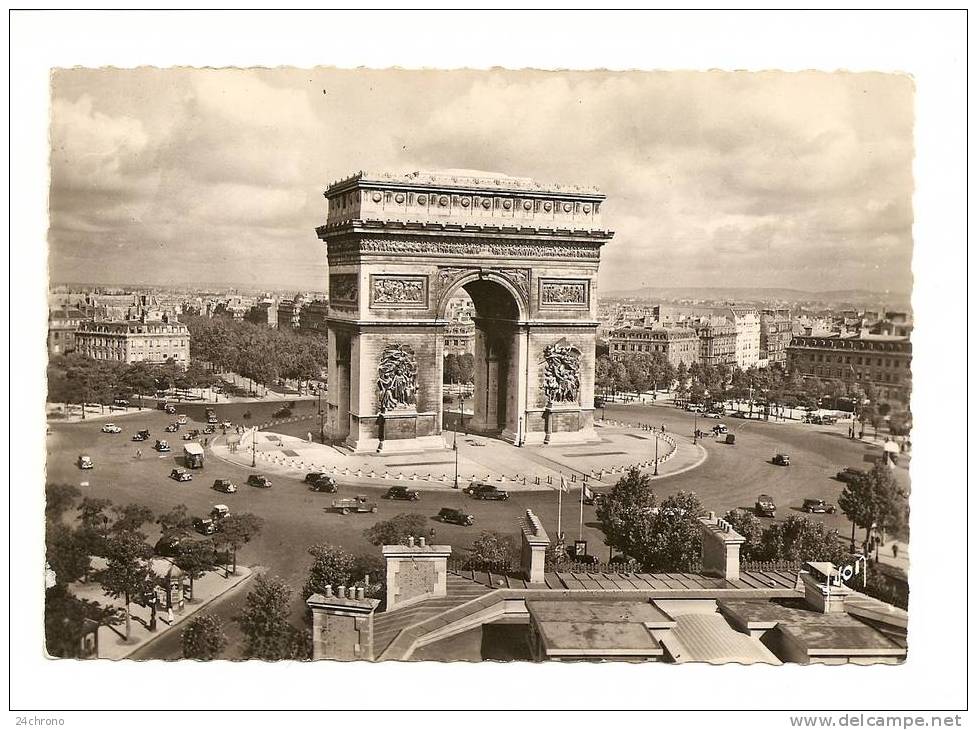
261	353
459	368
97	527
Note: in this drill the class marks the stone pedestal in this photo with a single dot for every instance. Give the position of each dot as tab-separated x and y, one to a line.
415	572
535	541
342	624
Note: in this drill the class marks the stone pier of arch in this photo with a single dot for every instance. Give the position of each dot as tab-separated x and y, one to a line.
400	246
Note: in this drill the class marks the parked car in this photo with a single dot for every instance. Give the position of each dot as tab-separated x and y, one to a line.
161	446
693	408
170	409
849	474
141	435
168	546
111	428
481	490
828	420
819	506
181	475
259	480
121	402
455	517
713	414
225	485
85	462
182	420
172	428
781	459
314	476
204	525
325	483
359	503
765	506
209	430
812	418
402	493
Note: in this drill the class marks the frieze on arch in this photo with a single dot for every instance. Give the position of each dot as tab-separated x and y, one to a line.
349	251
518	277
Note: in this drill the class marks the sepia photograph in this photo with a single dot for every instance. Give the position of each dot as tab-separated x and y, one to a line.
368	364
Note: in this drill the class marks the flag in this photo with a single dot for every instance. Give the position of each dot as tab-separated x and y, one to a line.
588	494
563	484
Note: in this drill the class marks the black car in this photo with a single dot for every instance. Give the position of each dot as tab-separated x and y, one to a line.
480	490
819	506
205	525
411	495
455	517
168	546
849	474
259	480
765	506
313	476
781	460
324	484
141	435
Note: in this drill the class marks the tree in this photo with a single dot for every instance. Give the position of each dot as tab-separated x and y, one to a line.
195	558
396	530
128	567
874	499
747	525
490	549
203	638
64	620
268	634
466	368
237	531
130	518
176	521
676	538
331	566
625	513
59	499
800	539
67	552
452	373
94	523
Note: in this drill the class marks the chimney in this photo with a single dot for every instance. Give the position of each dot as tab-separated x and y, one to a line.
342	628
341	592
720	547
534	544
415	572
421	542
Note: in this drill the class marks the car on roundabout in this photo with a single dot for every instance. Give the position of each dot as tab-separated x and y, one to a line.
85	462
781	459
314	476
172	428
111	428
359	504
181	475
326	484
765	506
224	485
450	515
819	506
142	435
403	493
182	419
481	490
259	480
161	446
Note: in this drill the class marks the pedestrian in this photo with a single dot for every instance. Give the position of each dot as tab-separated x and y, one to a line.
138	453
663	428
432	535
895	550
310	437
206	441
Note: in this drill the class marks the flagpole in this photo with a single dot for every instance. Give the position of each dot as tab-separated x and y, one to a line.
580	534
559	514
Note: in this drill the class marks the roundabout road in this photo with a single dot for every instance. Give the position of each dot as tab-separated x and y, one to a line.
296	518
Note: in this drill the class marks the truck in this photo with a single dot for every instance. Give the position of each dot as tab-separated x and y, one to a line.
358	503
193	456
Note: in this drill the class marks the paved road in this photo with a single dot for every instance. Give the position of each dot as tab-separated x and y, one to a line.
296	518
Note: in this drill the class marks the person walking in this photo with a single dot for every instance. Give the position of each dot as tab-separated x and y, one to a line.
138	453
895	550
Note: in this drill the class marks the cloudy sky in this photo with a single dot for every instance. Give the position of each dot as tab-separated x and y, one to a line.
712	179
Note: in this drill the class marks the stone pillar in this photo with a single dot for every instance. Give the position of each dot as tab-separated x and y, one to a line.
534	544
823	590
415	572
342	624
720	547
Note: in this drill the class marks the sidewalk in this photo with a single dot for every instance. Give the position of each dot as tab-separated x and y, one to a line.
111	641
511	467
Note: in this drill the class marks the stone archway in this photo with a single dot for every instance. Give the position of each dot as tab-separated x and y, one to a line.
400	246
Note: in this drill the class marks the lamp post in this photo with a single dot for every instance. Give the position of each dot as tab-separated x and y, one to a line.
695	427
322	426
656	453
463	424
454	446
254	436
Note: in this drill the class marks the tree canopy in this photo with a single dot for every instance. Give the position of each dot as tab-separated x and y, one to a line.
396	530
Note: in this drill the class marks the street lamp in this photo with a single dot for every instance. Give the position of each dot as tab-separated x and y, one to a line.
322	427
254	436
656	453
695	427
463	425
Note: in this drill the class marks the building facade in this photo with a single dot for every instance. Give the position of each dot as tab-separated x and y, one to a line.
879	360
747	321
313	316
459	338
717	342
775	335
135	341
290	312
62	325
264	312
677	344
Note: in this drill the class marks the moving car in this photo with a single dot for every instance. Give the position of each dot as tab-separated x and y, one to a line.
713	414
181	475
191	435
719	428
161	446
209	429
402	493
818	505
849	474
225	485
781	459
828	420
172	428
182	420
765	506
141	435
168	546
693	408
169	409
325	483
314	476
85	462
111	428
204	525
481	490
455	517
359	503
259	480
211	416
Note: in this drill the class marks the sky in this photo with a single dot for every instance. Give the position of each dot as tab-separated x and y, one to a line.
715	179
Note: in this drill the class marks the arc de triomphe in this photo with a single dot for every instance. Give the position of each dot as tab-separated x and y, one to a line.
399	247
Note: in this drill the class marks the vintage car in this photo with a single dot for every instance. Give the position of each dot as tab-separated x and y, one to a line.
259	480
85	462
359	503
781	459
181	475
455	517
402	493
818	505
325	483
141	435
224	485
481	490
161	446
172	428
111	428
765	506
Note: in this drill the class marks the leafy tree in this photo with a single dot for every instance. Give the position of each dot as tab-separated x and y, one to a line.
747	525
176	521
331	566
490	549
396	530
237	531
625	513
874	498
195	558
452	374
128	566
676	538
64	620
203	638
800	539
466	368
131	517
67	552
267	632
59	499
94	523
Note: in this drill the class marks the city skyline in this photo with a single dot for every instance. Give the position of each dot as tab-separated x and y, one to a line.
792	180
